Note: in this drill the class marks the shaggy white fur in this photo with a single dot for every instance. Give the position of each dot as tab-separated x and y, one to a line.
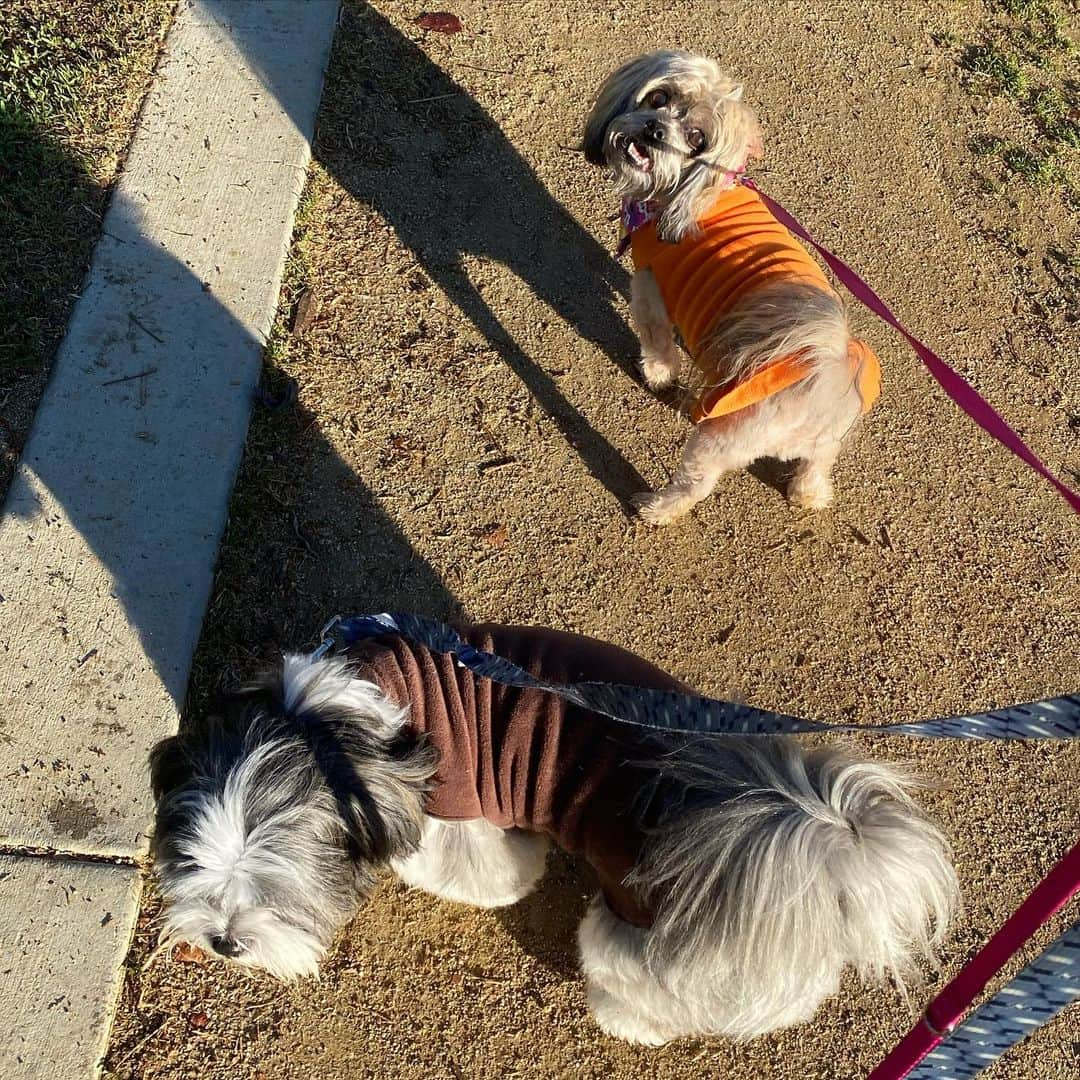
779	870
769	868
475	862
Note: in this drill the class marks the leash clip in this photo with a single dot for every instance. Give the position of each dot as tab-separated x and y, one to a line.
327	637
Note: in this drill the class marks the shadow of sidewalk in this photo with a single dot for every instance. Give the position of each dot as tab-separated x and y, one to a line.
116	510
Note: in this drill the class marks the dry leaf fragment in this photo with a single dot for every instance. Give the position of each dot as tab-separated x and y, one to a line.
186	953
303	312
441	21
495	535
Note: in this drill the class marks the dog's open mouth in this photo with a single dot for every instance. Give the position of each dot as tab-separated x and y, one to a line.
637	153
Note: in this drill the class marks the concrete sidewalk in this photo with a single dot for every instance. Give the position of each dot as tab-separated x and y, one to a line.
111	528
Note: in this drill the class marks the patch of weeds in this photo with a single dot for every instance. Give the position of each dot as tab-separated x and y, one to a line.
1026	56
1057	112
1037	168
985	145
1001	69
1038	29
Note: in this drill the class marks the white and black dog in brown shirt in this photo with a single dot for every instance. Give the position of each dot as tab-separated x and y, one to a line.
737	877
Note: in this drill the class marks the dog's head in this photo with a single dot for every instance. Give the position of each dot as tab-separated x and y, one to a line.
673	127
275	814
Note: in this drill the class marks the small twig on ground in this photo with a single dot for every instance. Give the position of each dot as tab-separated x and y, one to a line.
498	463
493	71
437	97
128	378
1011	342
155	953
1062	283
140	1044
144	328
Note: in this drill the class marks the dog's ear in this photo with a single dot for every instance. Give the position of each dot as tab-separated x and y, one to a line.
170	765
383	816
610	103
738	133
737	141
615	96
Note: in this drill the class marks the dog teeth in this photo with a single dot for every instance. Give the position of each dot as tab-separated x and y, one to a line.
637	157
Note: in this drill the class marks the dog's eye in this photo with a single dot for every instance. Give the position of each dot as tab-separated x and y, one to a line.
695	139
657	99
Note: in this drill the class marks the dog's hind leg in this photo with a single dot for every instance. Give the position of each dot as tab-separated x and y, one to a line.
812	487
475	862
660	356
626	999
713	449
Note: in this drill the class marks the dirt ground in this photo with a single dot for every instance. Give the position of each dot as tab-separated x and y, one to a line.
469	428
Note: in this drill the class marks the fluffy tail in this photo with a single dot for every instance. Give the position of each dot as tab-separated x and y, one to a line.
781	866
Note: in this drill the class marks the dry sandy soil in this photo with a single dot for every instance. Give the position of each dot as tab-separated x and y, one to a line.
468	431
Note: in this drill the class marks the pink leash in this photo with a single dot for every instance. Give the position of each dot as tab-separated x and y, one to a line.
954	384
947	1009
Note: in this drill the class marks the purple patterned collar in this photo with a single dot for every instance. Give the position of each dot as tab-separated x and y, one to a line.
635	214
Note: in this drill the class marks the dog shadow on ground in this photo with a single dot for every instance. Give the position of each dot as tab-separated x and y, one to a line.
545	922
306	540
400	135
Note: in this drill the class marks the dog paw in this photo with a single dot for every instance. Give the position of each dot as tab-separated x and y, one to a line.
658	372
616	1018
655	507
815	496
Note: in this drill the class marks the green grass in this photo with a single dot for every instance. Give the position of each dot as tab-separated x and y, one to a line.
1027	57
1000	69
1057	111
1038	169
987	145
72	77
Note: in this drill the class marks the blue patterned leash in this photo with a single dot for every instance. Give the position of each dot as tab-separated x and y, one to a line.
1054	718
1043	989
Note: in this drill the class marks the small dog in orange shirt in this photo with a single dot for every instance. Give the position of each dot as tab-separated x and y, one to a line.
779	374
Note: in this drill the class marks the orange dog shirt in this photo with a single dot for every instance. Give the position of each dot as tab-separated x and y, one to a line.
738	249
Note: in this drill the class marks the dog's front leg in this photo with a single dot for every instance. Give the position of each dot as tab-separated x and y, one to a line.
714	448
660	356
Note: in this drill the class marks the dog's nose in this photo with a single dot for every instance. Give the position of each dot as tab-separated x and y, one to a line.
655	130
224	945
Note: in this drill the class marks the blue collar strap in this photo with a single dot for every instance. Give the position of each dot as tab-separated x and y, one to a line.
1054	718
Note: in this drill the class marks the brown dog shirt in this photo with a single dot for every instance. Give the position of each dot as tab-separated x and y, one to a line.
527	759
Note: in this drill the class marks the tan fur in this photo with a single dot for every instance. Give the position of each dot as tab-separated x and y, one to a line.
806	423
